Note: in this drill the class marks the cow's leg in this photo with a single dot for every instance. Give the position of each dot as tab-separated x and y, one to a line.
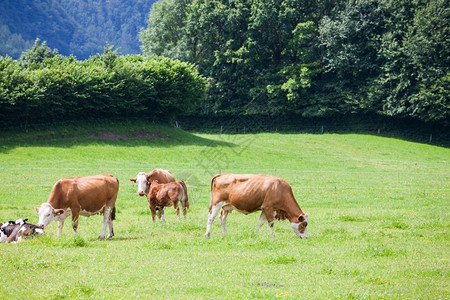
185	203
212	215
269	216
161	210
75	221
177	208
158	212
110	224
153	211
60	227
223	221
184	206
106	216
261	221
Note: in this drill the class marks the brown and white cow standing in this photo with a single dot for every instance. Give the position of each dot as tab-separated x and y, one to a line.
143	179
86	196
250	193
166	194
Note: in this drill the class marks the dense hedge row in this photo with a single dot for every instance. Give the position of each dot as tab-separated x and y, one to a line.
39	89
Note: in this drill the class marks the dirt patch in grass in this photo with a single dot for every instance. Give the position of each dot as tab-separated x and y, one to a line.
110	136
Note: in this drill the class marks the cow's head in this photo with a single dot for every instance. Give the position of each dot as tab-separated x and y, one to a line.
143	184
47	214
300	227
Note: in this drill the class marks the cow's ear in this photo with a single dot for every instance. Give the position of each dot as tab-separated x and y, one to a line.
36	209
301	218
59	211
133	179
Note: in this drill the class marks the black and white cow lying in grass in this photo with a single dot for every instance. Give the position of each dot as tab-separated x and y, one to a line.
15	231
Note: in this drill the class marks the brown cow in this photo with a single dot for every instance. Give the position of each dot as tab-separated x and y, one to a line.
167	194
143	180
250	193
86	196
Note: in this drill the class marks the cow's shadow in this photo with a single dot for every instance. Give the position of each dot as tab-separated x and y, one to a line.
115	239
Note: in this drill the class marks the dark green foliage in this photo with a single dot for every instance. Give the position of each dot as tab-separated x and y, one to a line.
313	58
49	87
36	55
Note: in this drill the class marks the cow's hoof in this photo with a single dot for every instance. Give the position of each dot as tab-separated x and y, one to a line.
101	237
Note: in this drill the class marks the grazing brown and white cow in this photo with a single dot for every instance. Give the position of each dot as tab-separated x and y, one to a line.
86	196
166	194
143	179
14	232
250	193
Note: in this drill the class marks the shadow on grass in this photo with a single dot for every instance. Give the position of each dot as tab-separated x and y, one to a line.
116	239
118	134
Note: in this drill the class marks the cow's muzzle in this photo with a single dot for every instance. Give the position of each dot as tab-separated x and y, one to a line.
141	193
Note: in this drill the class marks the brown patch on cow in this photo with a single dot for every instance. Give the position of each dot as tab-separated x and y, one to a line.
281	215
302	227
110	136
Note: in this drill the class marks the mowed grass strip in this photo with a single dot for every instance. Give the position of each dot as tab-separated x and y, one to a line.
378	209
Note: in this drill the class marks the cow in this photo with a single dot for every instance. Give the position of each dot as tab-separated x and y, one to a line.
143	180
248	193
14	232
5	230
167	194
86	196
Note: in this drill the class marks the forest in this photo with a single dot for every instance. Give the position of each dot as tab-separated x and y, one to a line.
78	27
313	58
273	58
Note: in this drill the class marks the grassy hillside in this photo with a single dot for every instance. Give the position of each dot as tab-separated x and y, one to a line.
378	212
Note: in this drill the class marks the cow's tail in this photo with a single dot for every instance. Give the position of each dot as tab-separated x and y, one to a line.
211	191
113	213
186	198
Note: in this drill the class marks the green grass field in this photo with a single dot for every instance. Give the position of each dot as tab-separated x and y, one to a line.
378	218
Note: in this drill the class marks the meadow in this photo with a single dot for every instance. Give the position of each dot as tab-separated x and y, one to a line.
378	217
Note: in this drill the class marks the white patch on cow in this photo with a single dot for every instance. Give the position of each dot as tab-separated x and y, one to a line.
262	219
271	227
295	228
297	231
39	231
20	222
3	237
47	214
86	213
214	211
143	185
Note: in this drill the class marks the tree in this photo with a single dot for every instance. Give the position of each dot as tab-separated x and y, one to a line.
37	54
165	29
